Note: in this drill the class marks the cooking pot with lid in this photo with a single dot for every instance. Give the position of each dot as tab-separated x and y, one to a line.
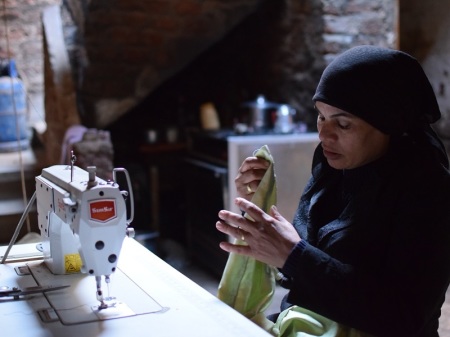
284	122
265	115
260	112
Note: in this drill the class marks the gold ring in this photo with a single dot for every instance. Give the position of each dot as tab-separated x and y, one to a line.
249	189
242	234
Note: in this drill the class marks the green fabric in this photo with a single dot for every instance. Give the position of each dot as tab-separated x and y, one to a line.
248	285
300	322
297	321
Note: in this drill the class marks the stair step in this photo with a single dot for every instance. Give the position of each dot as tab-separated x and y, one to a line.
13	189
11	162
8	225
13	207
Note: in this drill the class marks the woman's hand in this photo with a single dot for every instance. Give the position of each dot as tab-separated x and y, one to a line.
270	238
249	176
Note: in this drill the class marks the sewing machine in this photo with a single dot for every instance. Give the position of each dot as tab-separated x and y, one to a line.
83	228
83	222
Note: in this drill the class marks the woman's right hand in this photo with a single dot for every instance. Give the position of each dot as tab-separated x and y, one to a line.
249	176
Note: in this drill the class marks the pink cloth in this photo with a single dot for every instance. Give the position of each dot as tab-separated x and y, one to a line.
73	134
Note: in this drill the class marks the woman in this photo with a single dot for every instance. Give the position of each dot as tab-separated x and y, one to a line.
369	246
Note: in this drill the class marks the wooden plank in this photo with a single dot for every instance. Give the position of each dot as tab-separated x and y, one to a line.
60	97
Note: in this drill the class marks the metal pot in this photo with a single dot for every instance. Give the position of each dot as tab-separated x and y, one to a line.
260	113
284	122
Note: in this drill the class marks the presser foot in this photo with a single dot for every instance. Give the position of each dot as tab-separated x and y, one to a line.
107	302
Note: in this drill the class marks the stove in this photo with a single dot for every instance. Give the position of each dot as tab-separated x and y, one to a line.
212	145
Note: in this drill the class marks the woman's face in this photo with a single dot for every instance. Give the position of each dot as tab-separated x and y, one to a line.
348	141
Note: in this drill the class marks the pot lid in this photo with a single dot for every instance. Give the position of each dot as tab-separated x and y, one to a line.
261	103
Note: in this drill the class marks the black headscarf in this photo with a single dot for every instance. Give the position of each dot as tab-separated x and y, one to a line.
388	89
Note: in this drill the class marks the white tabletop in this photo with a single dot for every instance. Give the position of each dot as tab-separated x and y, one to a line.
164	303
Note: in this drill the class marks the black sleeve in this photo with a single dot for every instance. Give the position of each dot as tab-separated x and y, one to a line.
404	299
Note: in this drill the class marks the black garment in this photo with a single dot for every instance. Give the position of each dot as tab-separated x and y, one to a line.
375	249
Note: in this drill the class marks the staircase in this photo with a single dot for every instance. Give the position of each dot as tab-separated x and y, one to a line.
12	204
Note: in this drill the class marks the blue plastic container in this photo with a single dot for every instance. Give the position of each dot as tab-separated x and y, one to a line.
14	133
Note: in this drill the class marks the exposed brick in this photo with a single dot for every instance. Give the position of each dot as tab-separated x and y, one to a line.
138	20
99	20
342	24
10	15
201	27
371	26
166	24
156	7
136	55
123	36
151	38
168	34
333	7
188	7
358	6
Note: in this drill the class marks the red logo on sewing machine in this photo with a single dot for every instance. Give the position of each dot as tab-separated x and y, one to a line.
103	210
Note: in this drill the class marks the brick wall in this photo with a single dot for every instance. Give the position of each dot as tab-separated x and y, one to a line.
123	50
126	50
21	27
132	47
350	23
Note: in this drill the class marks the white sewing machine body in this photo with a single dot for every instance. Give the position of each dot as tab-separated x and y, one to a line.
82	219
81	214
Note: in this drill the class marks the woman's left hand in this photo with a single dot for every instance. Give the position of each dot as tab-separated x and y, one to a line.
269	239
